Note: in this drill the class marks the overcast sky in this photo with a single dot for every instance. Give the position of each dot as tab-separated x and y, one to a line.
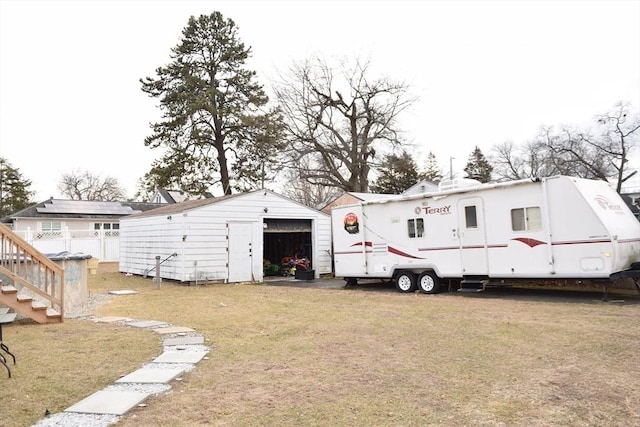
484	72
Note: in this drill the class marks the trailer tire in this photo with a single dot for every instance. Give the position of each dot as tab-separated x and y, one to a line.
406	282
429	283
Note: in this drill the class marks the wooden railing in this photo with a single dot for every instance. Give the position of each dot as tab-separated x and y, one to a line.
28	268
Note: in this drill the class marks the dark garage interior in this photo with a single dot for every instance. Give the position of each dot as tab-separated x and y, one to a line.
286	238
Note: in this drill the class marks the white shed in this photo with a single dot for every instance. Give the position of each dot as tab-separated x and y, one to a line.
224	239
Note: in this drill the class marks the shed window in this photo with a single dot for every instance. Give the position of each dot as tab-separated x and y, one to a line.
415	228
526	219
470	217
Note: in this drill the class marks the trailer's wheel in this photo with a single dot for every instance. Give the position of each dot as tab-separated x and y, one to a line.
406	282
429	283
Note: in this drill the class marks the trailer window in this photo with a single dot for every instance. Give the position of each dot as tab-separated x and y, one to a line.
470	217
526	219
415	227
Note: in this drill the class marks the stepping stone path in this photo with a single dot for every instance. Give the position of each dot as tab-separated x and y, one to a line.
183	349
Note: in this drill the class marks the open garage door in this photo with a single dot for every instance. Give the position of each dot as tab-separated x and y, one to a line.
287	238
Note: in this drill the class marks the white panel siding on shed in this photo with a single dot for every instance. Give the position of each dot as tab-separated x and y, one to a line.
141	240
199	237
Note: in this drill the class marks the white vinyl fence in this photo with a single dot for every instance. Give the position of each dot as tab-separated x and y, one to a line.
101	244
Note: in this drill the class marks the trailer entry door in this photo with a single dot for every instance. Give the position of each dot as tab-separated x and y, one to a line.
472	234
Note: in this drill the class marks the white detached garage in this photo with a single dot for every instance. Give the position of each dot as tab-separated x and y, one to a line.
224	239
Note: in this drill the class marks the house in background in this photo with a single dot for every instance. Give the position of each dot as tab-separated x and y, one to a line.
351	198
228	239
421	187
175	196
632	199
75	226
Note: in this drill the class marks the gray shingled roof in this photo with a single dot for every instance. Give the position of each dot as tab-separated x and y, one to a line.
174	208
80	209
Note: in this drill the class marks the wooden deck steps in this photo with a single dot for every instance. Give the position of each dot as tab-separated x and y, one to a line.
31	284
8	289
25	305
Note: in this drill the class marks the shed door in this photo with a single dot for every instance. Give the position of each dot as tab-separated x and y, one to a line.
473	240
240	241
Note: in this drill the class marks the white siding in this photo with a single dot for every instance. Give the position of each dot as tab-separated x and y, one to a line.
35	225
199	237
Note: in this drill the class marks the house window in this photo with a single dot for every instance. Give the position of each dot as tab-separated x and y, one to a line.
470	217
106	226
526	219
110	228
415	228
51	226
50	230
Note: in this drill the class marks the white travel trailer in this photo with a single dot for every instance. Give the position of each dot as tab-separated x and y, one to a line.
551	228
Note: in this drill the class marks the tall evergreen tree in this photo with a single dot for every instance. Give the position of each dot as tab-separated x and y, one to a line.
396	174
215	129
432	171
15	194
478	167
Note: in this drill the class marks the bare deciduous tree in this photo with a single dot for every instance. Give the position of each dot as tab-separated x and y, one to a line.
575	152
337	119
619	138
313	195
571	155
604	155
83	185
507	163
532	159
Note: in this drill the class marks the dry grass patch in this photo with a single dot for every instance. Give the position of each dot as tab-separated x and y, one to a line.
60	364
296	356
292	356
